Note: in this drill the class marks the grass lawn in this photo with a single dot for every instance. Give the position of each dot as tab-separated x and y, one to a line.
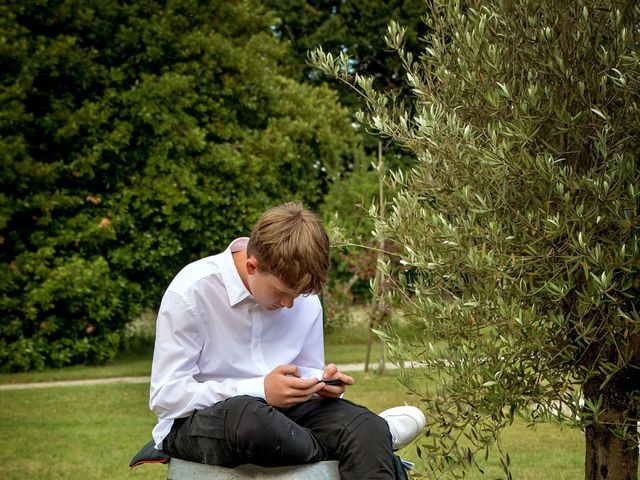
92	432
546	452
75	432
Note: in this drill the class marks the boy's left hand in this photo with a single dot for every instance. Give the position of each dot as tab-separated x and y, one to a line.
334	391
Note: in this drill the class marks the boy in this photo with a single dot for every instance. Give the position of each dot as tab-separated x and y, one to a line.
238	367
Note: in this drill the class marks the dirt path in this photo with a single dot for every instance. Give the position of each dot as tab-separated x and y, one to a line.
73	383
350	367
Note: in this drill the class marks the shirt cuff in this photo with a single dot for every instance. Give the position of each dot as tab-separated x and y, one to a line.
251	386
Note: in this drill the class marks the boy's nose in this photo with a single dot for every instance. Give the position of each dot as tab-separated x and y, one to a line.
287	302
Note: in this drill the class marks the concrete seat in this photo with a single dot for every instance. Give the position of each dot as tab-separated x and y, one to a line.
182	470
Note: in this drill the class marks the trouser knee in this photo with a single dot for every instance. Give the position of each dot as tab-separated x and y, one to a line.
267	437
370	429
252	418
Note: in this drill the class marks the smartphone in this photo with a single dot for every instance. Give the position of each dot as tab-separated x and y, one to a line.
331	381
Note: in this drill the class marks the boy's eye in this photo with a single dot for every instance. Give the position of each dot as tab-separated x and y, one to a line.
283	294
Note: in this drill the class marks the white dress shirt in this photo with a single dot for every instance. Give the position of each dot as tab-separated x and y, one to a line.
213	341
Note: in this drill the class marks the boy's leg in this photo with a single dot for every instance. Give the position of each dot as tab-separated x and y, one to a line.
352	434
242	430
247	430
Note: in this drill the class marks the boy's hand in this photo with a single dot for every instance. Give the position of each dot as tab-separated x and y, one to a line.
283	387
334	391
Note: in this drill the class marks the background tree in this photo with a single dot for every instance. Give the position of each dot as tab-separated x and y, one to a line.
136	137
353	27
519	222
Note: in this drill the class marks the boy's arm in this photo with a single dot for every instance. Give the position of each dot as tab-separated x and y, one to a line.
312	354
310	360
174	391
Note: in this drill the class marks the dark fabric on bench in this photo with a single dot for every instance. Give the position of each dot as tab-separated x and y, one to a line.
149	454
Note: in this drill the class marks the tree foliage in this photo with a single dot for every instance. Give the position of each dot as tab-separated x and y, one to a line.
352	27
519	221
355	28
135	137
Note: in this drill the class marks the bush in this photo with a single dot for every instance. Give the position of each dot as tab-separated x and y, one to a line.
136	137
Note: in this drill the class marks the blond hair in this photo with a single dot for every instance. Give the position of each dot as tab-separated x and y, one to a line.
291	243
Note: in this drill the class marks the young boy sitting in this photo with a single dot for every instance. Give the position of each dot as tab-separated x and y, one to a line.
238	367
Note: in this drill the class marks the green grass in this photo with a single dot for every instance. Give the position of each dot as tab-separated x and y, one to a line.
92	432
75	432
546	452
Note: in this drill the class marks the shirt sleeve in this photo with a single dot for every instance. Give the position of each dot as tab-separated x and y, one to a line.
251	386
310	361
174	391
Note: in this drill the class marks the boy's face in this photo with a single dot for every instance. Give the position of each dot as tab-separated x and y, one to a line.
267	289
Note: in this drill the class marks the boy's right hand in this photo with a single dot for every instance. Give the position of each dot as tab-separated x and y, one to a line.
283	387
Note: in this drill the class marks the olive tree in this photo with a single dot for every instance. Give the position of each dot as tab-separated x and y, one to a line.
518	222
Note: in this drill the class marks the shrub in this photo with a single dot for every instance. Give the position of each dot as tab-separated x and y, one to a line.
136	137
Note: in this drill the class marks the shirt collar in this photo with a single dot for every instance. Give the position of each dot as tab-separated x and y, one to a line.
236	291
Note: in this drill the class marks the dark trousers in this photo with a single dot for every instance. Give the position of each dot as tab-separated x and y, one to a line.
246	429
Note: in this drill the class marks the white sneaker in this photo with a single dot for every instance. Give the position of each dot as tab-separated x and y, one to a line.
405	424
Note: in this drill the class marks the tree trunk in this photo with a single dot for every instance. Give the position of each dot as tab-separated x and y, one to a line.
378	314
607	456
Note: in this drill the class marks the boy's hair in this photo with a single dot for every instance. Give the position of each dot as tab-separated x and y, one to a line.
292	244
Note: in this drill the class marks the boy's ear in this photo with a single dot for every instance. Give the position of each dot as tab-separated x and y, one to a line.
252	265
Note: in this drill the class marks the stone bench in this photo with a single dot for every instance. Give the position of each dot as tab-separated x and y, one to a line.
182	470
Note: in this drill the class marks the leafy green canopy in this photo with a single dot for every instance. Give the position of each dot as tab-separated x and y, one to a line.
135	137
519	220
353	27
350	26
